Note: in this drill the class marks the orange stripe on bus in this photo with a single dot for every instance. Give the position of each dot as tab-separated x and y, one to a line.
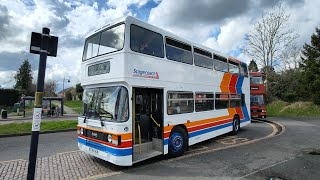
204	126
224	86
239	111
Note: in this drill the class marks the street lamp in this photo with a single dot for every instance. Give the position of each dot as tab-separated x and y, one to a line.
68	80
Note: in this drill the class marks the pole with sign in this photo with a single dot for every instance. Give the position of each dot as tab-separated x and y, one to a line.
45	45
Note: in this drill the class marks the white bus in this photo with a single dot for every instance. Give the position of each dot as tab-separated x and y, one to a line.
148	92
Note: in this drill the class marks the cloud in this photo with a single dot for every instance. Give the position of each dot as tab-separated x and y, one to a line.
186	14
4	22
198	20
220	24
70	20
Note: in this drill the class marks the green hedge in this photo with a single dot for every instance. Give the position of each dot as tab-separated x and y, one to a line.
9	96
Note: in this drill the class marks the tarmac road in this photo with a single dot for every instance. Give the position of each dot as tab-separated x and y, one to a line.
284	157
12	148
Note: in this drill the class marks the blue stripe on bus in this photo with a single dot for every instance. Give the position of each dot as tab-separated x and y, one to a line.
239	91
200	132
113	151
165	142
245	113
239	84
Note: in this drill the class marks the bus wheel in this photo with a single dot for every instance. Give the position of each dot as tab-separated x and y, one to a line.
235	125
178	141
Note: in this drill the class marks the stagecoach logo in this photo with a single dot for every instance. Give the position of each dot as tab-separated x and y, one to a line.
145	74
95	135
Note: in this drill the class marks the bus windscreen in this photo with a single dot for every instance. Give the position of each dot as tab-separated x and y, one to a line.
104	42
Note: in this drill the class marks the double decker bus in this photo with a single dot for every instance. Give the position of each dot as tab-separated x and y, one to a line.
148	92
257	95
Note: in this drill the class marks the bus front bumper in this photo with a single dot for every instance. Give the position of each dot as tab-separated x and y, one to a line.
117	156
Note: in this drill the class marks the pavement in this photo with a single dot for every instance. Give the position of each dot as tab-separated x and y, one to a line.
19	119
59	158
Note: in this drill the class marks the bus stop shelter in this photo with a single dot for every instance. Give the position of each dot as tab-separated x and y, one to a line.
48	99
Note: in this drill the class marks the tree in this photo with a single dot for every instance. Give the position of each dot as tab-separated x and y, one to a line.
23	78
270	38
50	88
68	95
291	57
311	66
253	67
79	91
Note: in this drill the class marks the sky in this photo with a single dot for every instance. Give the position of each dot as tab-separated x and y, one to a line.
218	24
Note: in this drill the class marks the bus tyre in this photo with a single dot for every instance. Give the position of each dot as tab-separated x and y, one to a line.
177	142
235	125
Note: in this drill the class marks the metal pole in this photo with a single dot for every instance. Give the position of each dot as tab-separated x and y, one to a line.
63	87
38	104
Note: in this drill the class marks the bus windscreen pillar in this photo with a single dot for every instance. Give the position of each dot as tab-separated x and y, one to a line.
45	45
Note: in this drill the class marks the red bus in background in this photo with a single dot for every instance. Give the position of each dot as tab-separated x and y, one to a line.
257	95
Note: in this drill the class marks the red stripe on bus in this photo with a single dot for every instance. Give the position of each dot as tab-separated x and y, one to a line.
232	84
191	129
125	144
239	111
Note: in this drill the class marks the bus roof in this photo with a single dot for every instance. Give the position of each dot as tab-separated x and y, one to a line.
255	74
165	33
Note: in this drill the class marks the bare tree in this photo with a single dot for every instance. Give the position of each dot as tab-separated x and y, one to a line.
270	38
50	88
291	58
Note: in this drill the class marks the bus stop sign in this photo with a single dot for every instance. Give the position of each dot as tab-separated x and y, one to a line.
36	44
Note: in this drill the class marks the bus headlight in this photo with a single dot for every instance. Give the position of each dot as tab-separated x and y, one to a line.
80	131
115	140
109	138
263	110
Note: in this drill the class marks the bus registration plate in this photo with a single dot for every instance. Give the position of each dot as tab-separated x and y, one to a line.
94	150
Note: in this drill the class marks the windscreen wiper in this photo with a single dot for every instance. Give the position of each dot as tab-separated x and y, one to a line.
101	121
104	113
85	117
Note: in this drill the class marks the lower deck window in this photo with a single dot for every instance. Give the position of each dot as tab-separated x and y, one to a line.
235	100
222	101
180	102
204	102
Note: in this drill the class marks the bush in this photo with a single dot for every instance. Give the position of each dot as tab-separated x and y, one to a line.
9	96
289	96
316	98
68	95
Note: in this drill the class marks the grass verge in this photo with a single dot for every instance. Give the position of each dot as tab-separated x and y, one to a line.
74	105
25	127
281	108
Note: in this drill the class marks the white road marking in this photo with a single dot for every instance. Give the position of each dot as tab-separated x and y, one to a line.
267	167
103	175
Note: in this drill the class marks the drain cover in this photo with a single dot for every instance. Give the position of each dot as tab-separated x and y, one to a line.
316	152
275	178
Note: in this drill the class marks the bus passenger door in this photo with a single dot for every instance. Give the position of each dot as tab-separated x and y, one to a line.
147	113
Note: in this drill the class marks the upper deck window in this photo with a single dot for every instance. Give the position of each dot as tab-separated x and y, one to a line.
233	67
220	63
256	80
203	58
178	51
104	42
243	70
145	41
